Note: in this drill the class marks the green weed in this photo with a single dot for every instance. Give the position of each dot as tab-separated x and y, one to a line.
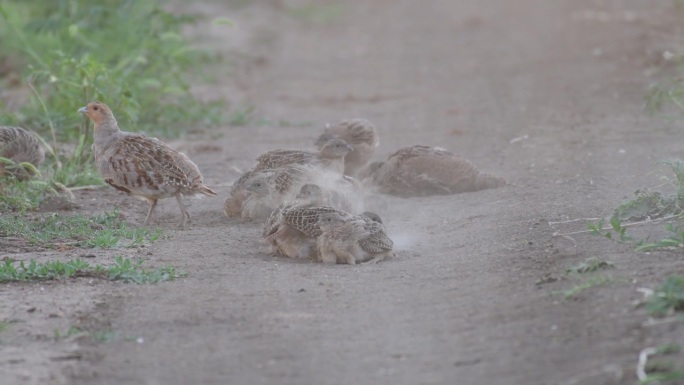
102	231
663	370
23	195
103	335
129	54
73	330
596	281
675	241
616	228
589	265
668	298
123	269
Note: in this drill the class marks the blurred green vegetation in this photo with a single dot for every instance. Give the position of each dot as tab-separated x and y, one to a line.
127	53
130	54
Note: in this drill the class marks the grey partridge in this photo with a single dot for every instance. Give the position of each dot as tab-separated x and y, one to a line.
378	245
422	170
340	238
20	146
360	134
297	230
330	157
261	200
142	166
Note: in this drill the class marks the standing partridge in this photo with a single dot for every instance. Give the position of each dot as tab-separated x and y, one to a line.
422	170
360	134
20	146
142	166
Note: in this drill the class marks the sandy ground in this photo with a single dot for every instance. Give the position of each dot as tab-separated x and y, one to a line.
548	94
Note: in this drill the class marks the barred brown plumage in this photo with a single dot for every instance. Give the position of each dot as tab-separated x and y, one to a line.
20	145
329	157
142	166
360	134
423	170
340	238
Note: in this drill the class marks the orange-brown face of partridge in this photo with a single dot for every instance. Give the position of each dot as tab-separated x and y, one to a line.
96	111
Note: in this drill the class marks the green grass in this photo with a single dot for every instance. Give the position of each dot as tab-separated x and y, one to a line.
123	269
663	370
104	336
673	242
668	298
586	284
130	54
589	265
101	231
649	204
23	195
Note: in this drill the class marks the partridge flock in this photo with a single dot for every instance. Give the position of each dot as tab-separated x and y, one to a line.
312	203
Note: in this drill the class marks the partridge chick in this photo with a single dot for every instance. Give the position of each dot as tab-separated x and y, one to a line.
260	201
233	204
340	191
360	134
20	146
423	170
329	157
340	238
309	195
294	234
142	166
378	245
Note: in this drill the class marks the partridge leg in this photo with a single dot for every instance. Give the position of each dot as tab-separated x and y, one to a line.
153	204
184	212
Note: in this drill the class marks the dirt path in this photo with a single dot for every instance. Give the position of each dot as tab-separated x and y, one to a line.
547	94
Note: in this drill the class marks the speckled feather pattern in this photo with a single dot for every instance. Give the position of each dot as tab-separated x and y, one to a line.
330	157
147	167
377	241
340	243
306	219
21	145
423	170
361	134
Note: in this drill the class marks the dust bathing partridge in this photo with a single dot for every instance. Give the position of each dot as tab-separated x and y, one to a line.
422	170
360	134
142	166
360	239
330	157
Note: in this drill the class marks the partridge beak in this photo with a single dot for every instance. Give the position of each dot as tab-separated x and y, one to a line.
350	147
83	110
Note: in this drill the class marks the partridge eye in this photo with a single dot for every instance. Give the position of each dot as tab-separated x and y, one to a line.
95	108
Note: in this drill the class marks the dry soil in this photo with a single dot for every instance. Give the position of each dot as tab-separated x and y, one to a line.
549	94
